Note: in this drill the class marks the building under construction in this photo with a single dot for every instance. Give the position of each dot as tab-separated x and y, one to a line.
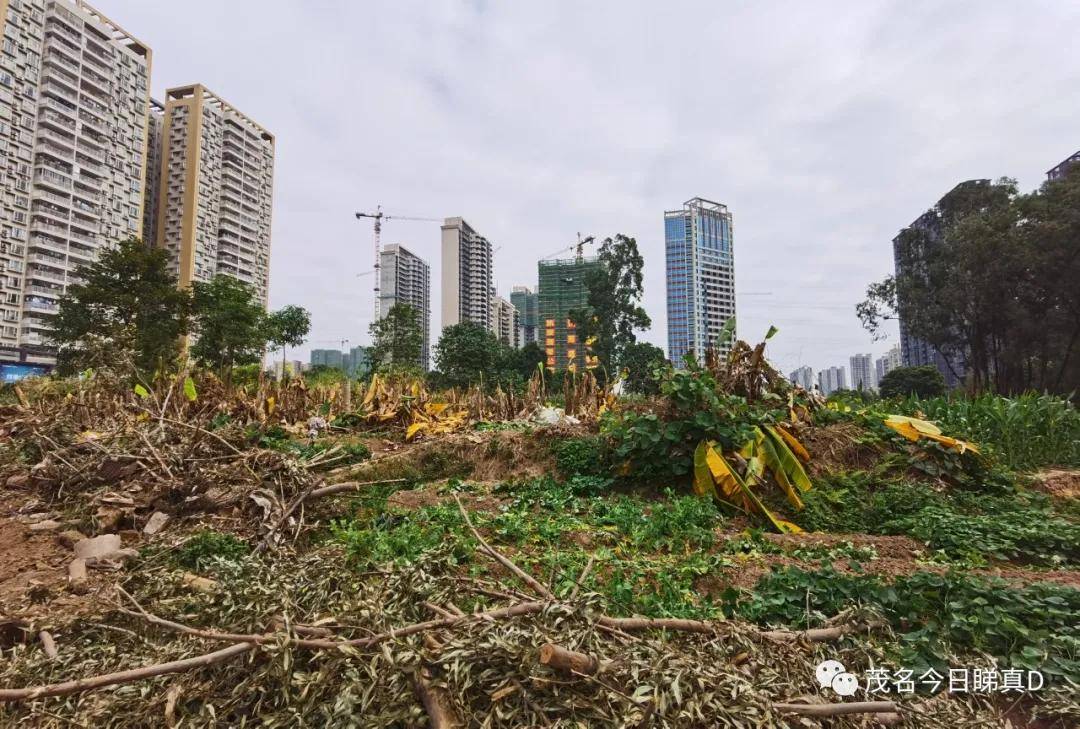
562	288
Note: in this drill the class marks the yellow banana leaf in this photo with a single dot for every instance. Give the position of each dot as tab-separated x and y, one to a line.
913	429
770	457
703	480
413	429
737	490
787	461
723	475
373	386
793	443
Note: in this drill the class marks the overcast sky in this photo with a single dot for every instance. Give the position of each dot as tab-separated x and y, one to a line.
825	127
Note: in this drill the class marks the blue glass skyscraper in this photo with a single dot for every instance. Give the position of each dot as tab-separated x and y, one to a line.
699	241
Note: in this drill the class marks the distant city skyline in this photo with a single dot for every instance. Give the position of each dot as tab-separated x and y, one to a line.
831	132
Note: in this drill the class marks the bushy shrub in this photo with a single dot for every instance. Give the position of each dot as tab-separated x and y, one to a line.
585	456
655	446
923	381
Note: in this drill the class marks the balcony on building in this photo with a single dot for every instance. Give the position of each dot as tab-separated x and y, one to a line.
57	43
63	107
47	245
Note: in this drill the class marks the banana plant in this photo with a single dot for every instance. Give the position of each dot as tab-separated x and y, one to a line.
736	479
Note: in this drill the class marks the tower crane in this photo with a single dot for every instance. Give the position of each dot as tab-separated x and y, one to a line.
578	248
378	216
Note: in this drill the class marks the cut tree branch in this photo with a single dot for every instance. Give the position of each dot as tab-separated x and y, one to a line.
136	674
504	561
857	707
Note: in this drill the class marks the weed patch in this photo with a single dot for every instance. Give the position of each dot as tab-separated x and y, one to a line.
204	548
937	616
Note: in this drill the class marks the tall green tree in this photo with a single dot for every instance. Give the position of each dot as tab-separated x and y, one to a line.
287	327
126	308
613	311
230	322
530	357
988	278
467	354
397	338
640	361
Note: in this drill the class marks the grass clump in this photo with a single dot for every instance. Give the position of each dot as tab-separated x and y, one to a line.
585	456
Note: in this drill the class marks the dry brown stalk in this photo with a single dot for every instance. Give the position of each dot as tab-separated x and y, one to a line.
568	661
48	645
678	624
315	493
581	578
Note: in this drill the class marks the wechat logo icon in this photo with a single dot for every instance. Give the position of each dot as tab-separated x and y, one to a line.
832	674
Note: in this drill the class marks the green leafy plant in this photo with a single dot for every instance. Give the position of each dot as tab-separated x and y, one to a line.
654	446
1026	431
584	456
936	616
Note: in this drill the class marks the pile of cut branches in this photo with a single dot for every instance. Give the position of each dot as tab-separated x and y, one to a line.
178	447
304	638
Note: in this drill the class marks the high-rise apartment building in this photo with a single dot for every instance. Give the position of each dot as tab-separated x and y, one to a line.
803	377
327	358
863	374
1058	171
216	190
527	303
931	228
505	321
405	278
832	379
562	289
888	362
466	275
154	128
74	92
700	277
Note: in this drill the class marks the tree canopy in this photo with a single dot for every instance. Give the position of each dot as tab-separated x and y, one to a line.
613	311
988	278
397	338
925	381
468	354
229	321
640	361
287	327
126	308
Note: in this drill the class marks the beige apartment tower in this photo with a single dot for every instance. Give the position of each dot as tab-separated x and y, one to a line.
505	321
466	275
74	93
215	191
